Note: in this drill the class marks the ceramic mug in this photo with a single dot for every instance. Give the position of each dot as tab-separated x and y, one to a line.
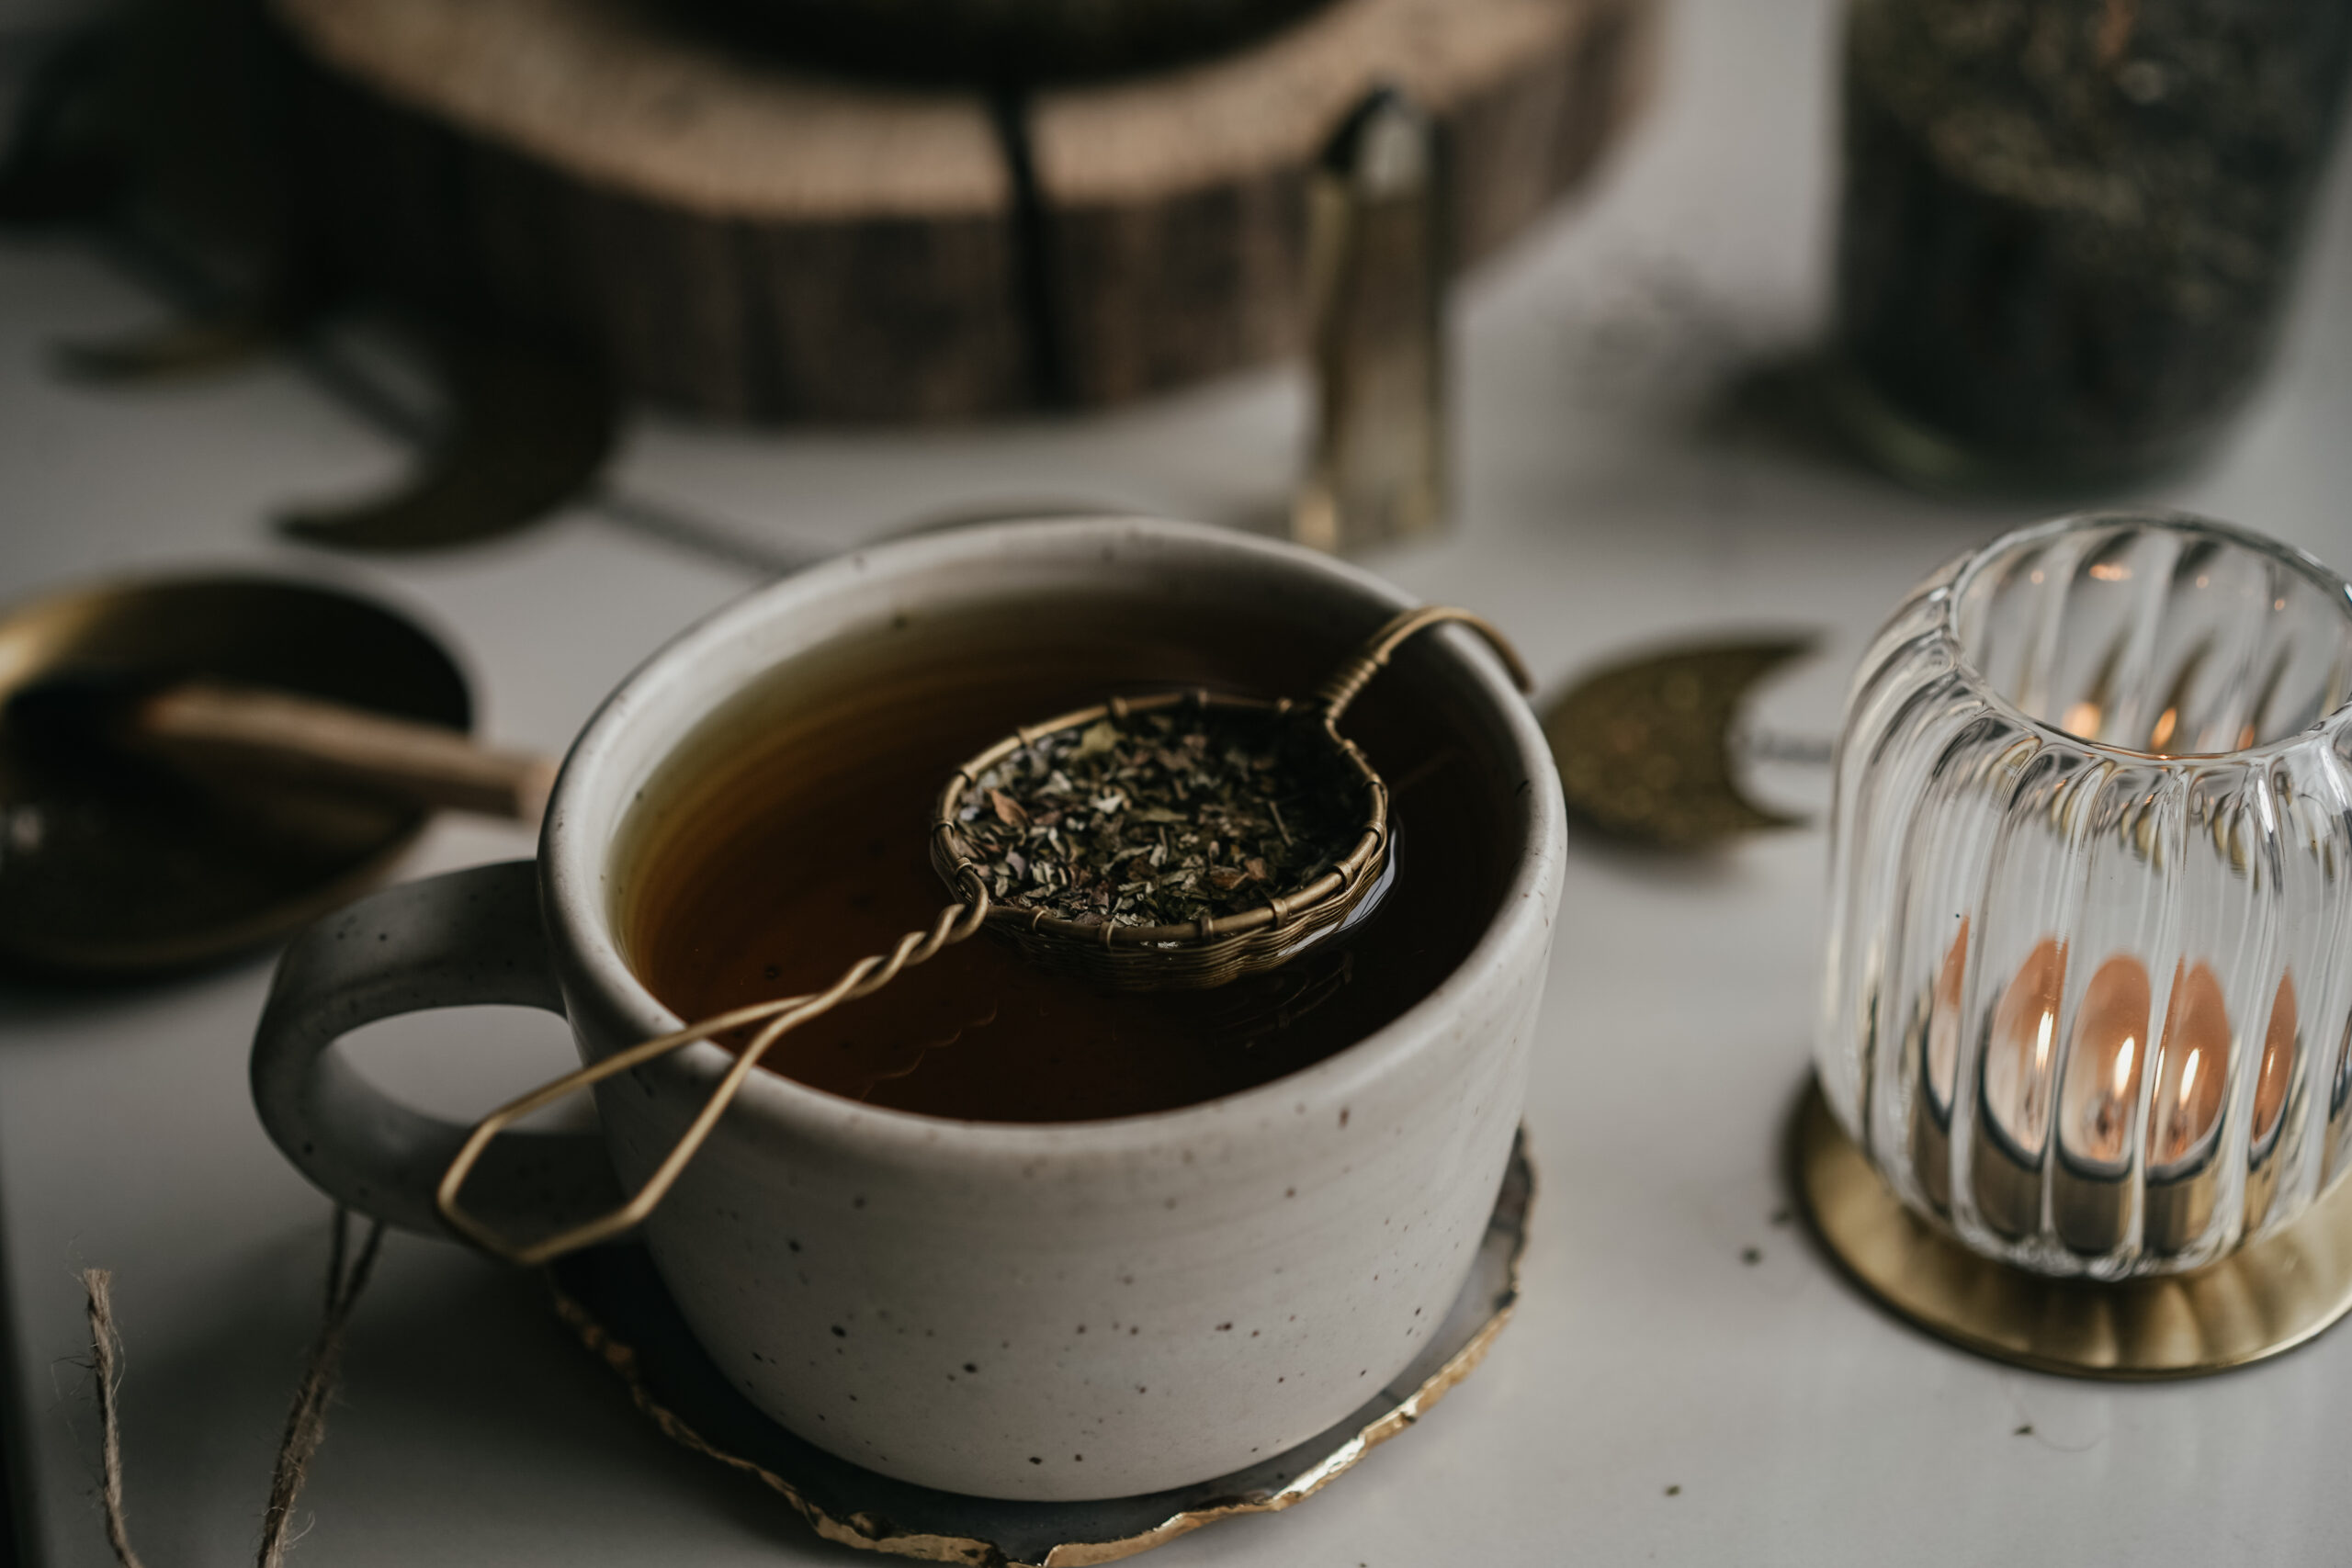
969	1305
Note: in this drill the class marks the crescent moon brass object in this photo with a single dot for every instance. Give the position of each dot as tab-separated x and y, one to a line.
528	432
1644	747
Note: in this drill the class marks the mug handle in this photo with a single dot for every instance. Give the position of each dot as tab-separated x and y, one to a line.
468	939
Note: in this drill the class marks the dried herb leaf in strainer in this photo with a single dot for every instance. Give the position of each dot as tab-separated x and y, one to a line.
1161	818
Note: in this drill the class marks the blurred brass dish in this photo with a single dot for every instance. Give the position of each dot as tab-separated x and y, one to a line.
108	868
2263	1298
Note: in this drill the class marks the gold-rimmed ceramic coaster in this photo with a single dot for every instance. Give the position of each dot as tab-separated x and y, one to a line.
614	1299
109	868
2256	1302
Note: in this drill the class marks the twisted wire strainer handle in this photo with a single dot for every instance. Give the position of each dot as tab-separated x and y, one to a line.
779	1016
783	1014
1349	679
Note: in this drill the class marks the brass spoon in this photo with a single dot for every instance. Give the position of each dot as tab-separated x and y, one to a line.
231	736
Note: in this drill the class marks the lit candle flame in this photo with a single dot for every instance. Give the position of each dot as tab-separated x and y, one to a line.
2101	1094
2188	1105
2277	1060
2017	1059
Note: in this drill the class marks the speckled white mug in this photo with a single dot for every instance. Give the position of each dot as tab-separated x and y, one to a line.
1042	1311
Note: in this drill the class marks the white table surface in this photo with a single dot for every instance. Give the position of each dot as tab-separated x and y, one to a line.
1602	504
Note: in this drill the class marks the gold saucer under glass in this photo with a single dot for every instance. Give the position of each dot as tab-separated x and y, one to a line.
2261	1300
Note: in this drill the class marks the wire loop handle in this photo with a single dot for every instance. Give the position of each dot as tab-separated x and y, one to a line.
784	1014
1349	680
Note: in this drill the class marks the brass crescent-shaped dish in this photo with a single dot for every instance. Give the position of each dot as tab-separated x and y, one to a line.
1644	745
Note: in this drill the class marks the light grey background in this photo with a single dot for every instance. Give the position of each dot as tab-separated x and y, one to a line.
1604	502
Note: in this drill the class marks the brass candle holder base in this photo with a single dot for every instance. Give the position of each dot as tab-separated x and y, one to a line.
2259	1301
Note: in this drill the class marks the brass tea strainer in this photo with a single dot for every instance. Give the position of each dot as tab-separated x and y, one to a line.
1206	952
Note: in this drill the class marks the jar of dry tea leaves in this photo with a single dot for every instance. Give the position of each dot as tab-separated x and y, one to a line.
2068	226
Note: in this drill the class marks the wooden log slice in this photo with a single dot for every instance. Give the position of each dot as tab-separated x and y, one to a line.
735	236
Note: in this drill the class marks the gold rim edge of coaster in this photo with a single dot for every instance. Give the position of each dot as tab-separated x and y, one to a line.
1514	1203
2259	1302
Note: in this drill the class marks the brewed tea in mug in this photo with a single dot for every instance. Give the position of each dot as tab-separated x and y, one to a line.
805	849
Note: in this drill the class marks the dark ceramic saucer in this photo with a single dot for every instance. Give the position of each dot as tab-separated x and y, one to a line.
615	1302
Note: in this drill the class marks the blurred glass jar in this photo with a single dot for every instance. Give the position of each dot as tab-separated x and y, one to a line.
2089	965
2068	227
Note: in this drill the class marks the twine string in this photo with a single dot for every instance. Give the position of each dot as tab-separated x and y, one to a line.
105	1349
305	1419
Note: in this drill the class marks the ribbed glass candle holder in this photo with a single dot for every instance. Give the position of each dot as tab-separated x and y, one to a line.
2086	1002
